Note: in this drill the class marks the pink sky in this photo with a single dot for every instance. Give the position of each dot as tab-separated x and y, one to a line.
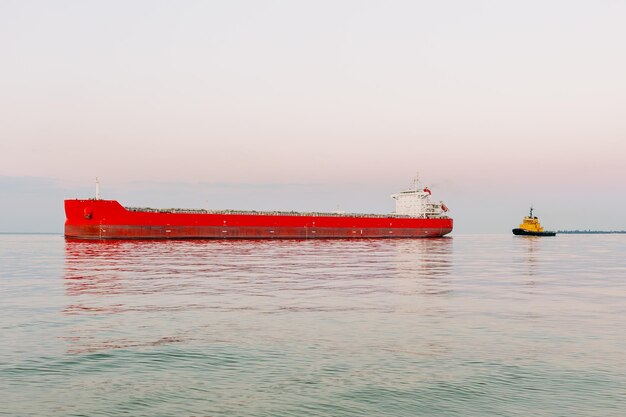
518	100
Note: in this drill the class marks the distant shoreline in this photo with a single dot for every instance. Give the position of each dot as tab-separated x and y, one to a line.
31	233
591	232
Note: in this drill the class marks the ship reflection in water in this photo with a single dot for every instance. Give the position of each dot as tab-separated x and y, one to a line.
146	293
469	325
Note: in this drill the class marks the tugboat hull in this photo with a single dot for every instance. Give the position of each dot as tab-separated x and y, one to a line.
522	232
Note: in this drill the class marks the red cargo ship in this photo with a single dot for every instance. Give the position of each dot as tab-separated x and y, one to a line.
415	216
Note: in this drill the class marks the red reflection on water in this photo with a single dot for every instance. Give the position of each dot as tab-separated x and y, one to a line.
136	291
90	346
88	267
146	267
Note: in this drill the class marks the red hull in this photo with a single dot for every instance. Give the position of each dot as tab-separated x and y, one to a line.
107	219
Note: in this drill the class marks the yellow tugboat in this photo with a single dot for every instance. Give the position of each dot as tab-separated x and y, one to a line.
531	227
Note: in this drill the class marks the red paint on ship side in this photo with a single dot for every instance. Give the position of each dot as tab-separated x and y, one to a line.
107	219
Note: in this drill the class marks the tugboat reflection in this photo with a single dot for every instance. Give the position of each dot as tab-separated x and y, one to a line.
533	247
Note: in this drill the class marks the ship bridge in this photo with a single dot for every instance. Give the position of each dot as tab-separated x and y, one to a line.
416	202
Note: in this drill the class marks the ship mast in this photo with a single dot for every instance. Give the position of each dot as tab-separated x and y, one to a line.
97	189
416	181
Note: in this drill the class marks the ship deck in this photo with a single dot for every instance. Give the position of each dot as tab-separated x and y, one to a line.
271	213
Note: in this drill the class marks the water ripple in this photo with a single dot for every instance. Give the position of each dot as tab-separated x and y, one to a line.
470	325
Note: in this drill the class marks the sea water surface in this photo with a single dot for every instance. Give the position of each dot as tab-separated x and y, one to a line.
463	326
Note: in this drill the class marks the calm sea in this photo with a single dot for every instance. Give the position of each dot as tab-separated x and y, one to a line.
464	326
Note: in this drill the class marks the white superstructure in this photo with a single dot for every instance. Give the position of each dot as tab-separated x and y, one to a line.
416	203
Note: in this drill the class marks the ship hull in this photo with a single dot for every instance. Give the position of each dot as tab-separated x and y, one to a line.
522	232
107	219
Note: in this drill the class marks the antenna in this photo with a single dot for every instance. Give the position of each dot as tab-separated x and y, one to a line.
97	189
416	180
